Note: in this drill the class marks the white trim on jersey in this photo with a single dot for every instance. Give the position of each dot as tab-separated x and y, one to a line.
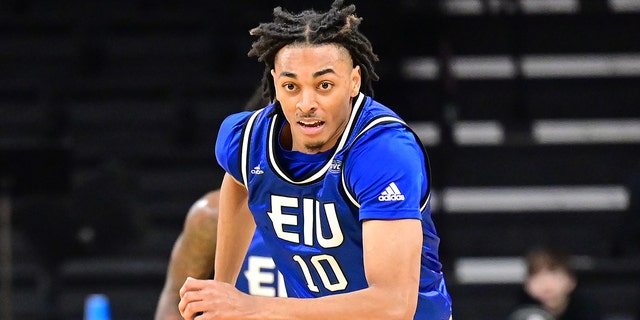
426	203
246	137
343	140
369	126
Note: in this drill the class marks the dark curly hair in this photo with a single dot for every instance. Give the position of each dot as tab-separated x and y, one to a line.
339	25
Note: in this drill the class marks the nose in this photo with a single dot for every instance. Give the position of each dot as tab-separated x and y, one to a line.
307	102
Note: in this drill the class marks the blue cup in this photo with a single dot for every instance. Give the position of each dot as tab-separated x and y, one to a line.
96	307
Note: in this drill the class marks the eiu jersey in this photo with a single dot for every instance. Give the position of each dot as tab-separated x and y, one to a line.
310	207
259	275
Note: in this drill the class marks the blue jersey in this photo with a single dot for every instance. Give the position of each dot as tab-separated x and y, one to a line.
310	207
259	276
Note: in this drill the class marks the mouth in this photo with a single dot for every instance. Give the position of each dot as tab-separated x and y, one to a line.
310	124
311	128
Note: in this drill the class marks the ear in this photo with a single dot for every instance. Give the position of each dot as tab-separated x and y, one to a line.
356	80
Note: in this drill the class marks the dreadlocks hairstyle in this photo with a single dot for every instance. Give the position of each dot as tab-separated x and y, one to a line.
339	25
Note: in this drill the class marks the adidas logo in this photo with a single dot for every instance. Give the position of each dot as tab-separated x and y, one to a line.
256	170
391	193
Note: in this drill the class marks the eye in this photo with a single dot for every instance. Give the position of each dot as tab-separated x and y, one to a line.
289	86
325	85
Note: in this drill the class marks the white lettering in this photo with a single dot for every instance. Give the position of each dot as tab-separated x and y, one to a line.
257	278
307	209
312	212
334	225
282	289
261	277
279	219
306	273
341	283
391	197
341	279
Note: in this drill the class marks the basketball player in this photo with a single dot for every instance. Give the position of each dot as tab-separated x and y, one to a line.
335	182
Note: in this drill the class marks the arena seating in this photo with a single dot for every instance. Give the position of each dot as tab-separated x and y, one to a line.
533	102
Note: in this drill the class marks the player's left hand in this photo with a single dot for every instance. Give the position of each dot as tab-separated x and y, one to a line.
211	299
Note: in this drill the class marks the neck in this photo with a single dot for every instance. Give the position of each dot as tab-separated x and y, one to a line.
286	139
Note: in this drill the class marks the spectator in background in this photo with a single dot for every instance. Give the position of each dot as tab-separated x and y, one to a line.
551	286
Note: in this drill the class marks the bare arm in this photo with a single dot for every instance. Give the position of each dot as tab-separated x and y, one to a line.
236	230
392	264
192	254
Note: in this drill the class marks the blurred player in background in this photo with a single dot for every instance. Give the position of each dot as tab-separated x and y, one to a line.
193	256
194	251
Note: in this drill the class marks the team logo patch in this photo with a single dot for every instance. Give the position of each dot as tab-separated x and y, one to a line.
336	166
391	193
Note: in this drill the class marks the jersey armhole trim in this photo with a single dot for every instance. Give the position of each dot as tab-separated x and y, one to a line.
371	124
244	149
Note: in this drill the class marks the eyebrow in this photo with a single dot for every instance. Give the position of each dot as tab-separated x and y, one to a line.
323	72
315	74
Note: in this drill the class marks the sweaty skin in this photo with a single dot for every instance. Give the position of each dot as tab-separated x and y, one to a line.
192	254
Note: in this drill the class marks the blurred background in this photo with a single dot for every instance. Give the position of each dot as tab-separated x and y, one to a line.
529	109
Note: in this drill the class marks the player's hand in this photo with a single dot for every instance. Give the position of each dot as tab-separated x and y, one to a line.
211	299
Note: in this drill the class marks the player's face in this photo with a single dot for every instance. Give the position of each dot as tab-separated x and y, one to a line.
315	85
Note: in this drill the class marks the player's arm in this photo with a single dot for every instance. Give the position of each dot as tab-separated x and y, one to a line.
236	228
192	255
392	251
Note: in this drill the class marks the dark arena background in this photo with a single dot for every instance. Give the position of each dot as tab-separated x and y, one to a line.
529	109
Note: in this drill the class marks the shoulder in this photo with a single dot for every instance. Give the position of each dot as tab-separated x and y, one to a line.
233	125
378	123
204	210
239	119
230	128
212	198
234	121
387	139
382	135
229	139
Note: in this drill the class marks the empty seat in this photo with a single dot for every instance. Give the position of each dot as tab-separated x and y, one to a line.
582	98
511	234
513	165
483	301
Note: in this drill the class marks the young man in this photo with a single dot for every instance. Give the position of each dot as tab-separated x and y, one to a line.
336	183
193	256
